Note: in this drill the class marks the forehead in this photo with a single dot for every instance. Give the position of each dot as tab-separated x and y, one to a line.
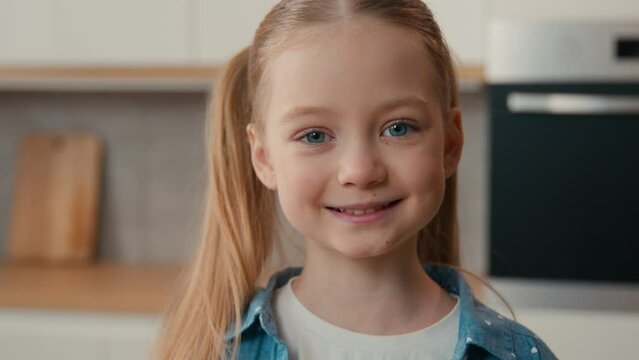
347	66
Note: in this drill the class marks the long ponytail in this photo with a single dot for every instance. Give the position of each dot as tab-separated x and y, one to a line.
238	229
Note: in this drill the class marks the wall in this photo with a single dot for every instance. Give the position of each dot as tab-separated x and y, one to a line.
153	169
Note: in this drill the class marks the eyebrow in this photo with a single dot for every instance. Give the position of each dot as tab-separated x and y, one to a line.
319	111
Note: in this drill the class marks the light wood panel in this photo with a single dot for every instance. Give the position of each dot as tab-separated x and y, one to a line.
167	78
134	78
104	286
110	72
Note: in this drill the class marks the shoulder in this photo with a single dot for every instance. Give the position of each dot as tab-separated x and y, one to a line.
526	344
258	315
481	327
529	345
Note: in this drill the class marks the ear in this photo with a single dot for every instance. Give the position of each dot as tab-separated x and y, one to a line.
259	158
454	142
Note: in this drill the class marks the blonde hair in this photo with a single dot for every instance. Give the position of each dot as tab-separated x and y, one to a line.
236	244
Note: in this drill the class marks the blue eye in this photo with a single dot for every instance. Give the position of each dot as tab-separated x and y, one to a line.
314	137
398	129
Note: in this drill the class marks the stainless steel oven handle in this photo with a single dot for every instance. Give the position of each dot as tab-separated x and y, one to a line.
564	103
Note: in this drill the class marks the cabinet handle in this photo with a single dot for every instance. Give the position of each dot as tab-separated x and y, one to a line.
563	103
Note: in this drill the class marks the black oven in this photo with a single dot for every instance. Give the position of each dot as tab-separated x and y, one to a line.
564	152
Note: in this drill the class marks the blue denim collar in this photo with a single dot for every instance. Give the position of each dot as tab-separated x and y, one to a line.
479	325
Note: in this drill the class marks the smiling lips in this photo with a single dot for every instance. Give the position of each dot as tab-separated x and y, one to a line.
364	208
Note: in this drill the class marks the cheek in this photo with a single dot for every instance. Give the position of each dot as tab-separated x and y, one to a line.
424	175
425	164
300	193
297	175
301	184
427	173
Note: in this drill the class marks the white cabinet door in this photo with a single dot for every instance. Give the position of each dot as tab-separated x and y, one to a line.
615	10
170	32
225	27
75	335
583	334
50	346
93	32
463	25
25	30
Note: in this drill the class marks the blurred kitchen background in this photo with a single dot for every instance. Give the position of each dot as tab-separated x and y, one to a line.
536	77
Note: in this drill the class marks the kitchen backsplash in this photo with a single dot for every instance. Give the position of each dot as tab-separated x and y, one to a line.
154	169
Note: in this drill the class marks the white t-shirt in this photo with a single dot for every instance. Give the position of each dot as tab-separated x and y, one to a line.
308	337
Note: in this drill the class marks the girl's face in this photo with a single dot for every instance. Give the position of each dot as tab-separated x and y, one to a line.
352	126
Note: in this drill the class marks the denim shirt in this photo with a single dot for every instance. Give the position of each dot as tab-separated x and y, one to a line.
484	334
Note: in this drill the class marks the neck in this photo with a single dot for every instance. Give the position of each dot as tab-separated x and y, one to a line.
383	295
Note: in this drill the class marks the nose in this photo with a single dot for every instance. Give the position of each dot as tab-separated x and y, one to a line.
361	166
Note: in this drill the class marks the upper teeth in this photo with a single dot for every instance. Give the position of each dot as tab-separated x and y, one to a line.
361	211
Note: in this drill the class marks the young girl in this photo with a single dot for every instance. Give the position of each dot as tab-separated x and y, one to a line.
346	112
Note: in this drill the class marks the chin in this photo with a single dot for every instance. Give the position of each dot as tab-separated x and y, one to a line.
365	249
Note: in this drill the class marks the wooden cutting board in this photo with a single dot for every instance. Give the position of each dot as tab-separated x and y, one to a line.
55	204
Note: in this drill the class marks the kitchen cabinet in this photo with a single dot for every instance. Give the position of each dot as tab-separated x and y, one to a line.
71	335
463	24
166	32
208	32
571	10
93	32
25	31
583	334
226	27
102	311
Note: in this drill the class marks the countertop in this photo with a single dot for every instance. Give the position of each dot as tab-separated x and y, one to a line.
102	286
